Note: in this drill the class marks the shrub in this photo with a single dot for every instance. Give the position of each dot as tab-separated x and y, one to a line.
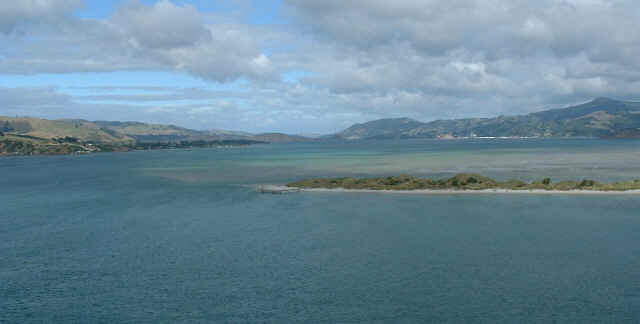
587	183
514	183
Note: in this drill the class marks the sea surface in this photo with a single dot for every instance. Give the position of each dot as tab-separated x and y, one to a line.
182	236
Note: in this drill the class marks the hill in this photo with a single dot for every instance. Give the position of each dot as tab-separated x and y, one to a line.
147	133
11	144
26	136
127	132
50	129
380	128
601	117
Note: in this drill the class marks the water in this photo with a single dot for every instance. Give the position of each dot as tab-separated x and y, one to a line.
182	237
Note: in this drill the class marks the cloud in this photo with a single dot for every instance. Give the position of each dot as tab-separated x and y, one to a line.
495	28
21	99
353	60
138	37
472	57
161	26
17	14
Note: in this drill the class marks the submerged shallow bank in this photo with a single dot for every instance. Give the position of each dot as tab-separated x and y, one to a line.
464	183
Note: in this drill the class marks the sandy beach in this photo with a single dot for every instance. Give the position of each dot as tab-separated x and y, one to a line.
285	189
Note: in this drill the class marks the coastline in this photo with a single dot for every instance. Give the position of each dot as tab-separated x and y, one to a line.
285	189
9	148
466	183
483	191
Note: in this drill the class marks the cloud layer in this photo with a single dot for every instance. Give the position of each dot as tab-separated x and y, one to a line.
352	60
15	15
162	36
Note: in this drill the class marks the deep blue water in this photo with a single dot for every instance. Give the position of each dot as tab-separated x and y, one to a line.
182	237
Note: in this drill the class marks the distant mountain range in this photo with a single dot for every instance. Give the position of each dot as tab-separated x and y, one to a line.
601	117
127	132
29	136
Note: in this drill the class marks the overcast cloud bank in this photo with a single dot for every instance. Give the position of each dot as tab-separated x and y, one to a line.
352	60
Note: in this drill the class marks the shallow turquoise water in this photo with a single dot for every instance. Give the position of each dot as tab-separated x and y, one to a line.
181	236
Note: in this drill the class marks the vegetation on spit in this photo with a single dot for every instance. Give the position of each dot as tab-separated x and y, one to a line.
461	181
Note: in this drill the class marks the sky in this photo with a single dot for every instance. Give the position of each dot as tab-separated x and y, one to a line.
311	66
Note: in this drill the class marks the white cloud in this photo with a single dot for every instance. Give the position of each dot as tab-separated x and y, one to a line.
16	14
161	36
160	26
356	60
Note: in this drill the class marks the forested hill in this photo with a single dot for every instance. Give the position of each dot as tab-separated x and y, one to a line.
601	117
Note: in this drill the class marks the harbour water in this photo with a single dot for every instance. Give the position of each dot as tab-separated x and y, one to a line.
182	236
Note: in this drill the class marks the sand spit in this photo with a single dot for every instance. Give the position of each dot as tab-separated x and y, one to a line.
484	191
280	189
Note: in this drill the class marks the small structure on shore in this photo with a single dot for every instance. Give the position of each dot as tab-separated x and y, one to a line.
276	190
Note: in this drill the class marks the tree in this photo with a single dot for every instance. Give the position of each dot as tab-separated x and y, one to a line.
587	183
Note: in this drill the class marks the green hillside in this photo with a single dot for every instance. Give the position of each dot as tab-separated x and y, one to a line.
11	144
28	136
149	133
599	118
50	129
